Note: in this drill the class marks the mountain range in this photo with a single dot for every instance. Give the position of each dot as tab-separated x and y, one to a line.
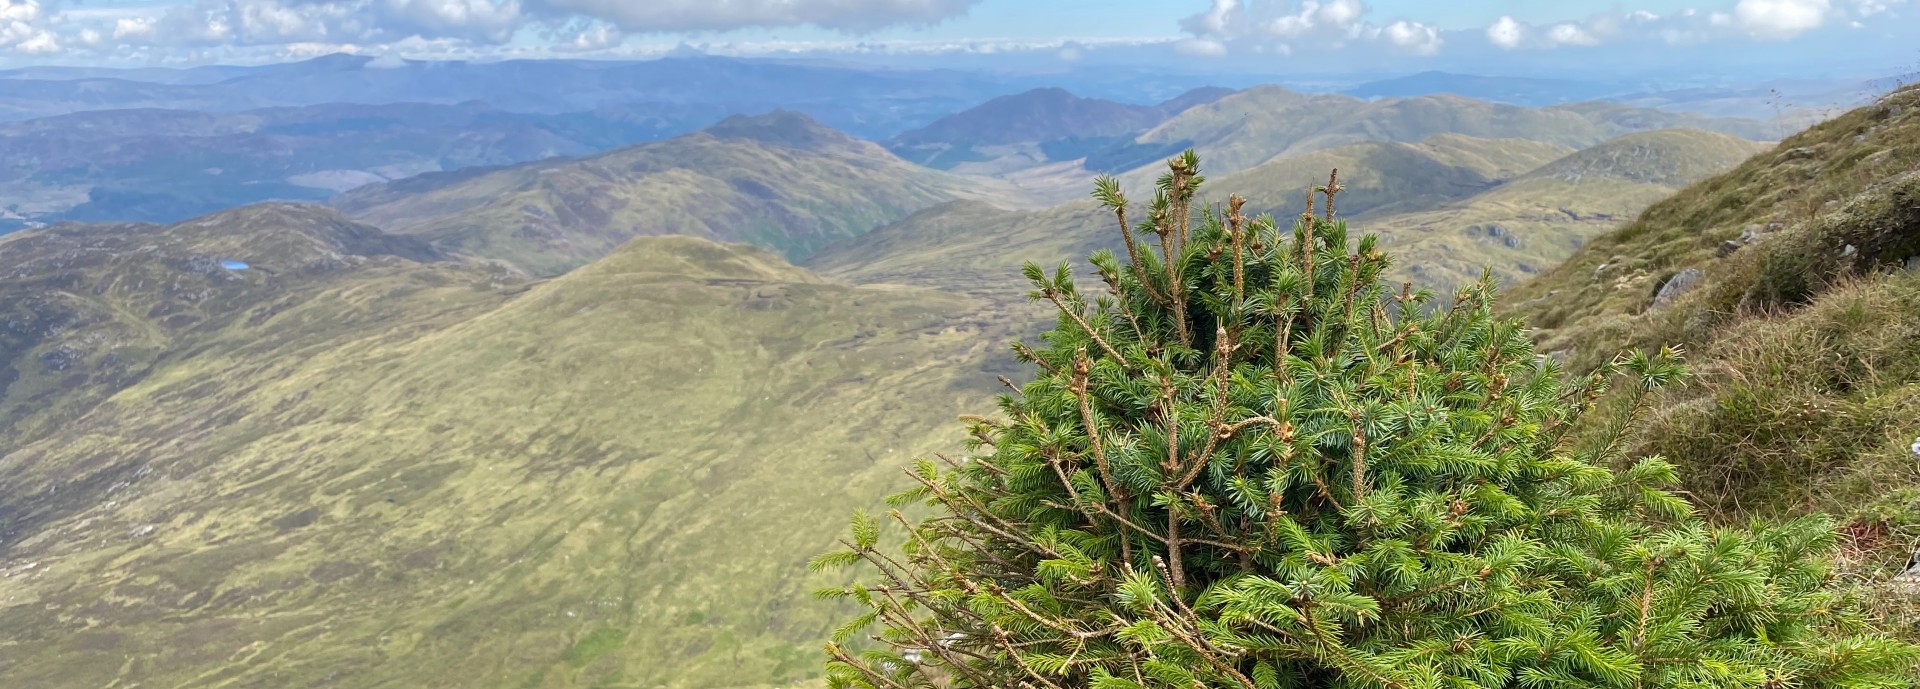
781	181
168	165
582	421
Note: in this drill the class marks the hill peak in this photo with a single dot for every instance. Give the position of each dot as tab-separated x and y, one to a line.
782	128
1669	157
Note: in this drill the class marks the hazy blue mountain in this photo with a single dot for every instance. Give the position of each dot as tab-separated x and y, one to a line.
871	103
167	165
1515	90
1052	119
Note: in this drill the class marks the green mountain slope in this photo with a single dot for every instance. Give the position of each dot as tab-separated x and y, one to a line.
1254	126
90	309
1383	178
1532	222
780	181
1453	204
1794	281
400	474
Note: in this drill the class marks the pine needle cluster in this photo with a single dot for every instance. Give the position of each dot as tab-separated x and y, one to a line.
1248	463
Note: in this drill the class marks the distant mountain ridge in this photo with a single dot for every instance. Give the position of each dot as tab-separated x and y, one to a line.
1263	123
168	165
781	180
1451	206
1531	91
1041	116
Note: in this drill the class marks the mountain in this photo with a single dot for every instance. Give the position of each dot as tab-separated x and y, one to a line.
1382	178
1529	223
1515	90
1263	123
1793	284
1450	206
370	467
781	181
91	308
1050	120
168	165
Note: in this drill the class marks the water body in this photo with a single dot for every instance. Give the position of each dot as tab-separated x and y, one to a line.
231	264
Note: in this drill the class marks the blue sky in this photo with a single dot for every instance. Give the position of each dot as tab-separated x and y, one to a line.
1488	36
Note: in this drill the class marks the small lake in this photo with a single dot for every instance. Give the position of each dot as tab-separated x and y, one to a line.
231	264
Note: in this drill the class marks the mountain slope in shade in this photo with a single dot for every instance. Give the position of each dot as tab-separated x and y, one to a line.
1268	122
1045	123
781	180
373	471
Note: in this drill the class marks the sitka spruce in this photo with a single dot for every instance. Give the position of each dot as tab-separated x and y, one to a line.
1250	463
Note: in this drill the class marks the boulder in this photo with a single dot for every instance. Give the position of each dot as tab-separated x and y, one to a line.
1678	285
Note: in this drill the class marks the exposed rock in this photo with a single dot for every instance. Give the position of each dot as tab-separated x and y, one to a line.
1678	285
1913	264
60	358
1597	270
1727	248
1849	251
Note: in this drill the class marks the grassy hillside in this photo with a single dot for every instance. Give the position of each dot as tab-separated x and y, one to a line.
781	181
1794	281
1383	178
1453	205
90	309
1532	222
402	474
1254	126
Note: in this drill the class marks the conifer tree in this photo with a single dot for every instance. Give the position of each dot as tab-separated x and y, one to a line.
1247	463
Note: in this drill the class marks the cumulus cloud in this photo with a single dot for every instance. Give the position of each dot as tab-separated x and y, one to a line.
670	16
1276	27
1765	20
131	27
21	30
1571	34
1413	37
1781	19
1507	33
287	22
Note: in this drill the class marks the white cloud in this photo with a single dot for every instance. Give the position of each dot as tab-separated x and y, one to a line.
670	16
1413	37
21	30
485	19
1506	33
128	27
1201	47
1781	19
1316	25
1571	34
1765	20
284	22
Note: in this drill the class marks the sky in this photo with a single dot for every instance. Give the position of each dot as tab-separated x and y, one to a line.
1480	36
